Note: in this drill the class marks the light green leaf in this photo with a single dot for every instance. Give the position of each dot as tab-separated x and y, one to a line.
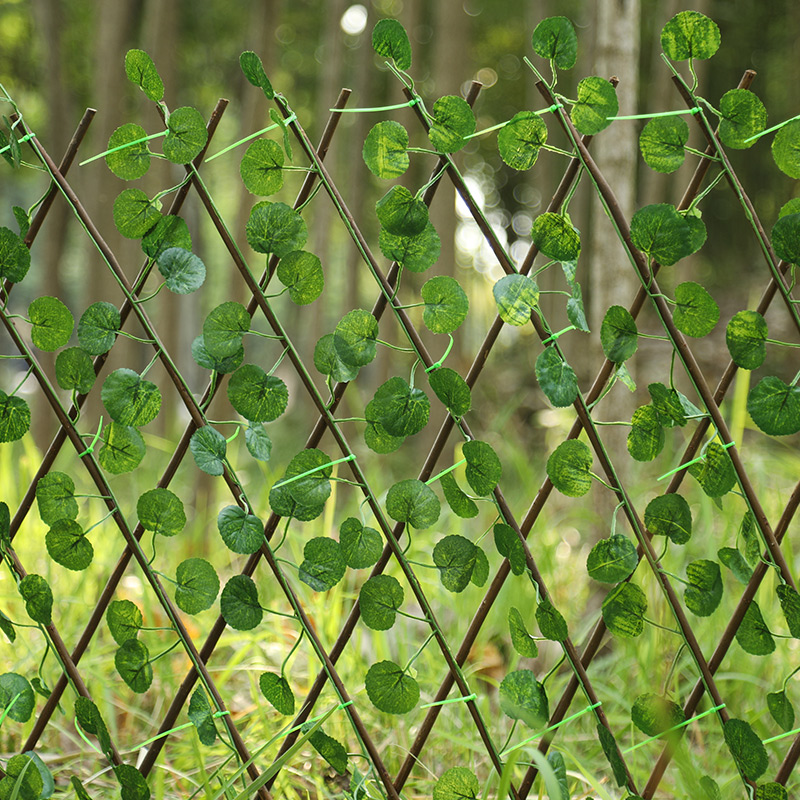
258	443
745	336
129	399
556	237
361	546
323	563
253	70
554	38
612	560
695	313
446	304
690	34
97	328
746	748
451	389
197	585
669	515
556	378
384	150
401	213
123	448
199	713
124	620
312	489
241	532
568	468
301	273
208	447
597	101
523	697
52	323
390	688
400	409
460	504
141	70
520	140
75	370
786	149
734	561
715	473
415	253
516	296
662	142
786	237
483	470
653	714
390	40
453	121
455	556
67	545
224	328
413	502
743	116
662	233
521	640
775	406
257	396
458	783
161	511
551	624
704	592
15	258
327	361
134	213
354	338
12	684
38	597
15	417
275	228
575	311
184	271
239	604
55	496
624	609
646	438
619	335
753	634
379	599
132	661
186	135
133	161
262	167
278	691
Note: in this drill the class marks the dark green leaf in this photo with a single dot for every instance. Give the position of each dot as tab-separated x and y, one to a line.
7	626
483	470
662	143
521	640
90	720
710	789
55	496
67	545
12	684
222	365
745	336
509	546
258	397
15	417
669	515
612	560
15	258
390	688
704	592
455	556
715	473
253	70
551	624
790	605
241	532
277	690
208	447
413	502
376	436
516	296
75	370
554	38
141	70
390	40
169	231
775	406
451	389
22	780
753	634
327	361
361	546
460	504
184	271
453	122
667	403
446	304
458	783
735	562
97	328
611	750
134	213
129	399
224	328
124	620
47	782
354	338
132	161
575	310
197	585
646	437
556	378
258	443
597	101
415	253
312	489
786	149
619	335
262	167
746	748
690	34
384	150
379	599
123	449
186	135
401	213
556	762
52	323
132	661
556	237
743	116
323	565
239	604
781	709
568	468
523	697
771	791
786	237
275	228
199	713
662	233
283	504
653	714
133	785
330	749
750	544
38	597
696	313
400	409
624	609
520	140
301	273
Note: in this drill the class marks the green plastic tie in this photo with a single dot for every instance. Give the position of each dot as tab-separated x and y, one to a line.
351	457
445	471
553	337
291	118
466	699
123	146
90	448
695	110
682	725
768	130
689	463
21	140
781	736
439	363
410	103
551	728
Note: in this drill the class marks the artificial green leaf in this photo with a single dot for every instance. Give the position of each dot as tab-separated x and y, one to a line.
330	749
667	403
521	640
669	515
653	714
241	532
75	370
354	338
141	70
551	624
55	496
734	561
453	121
568	468
197	585
169	231
446	304
327	361
516	296
746	748
696	313
22	779
390	688
199	713
710	789
619	335
559	767
612	560
460	504
134	213
510	546
184	271
401	213
690	34
704	590
91	721
520	140
379	599
786	149
458	783
745	336
771	791
775	406
662	233
257	396
253	70
52	323
129	399
12	684
715	473
47	783
97	328
222	365
67	545
239	604
133	785
483	470
224	328
662	142
262	167
313	488
753	634
15	417
413	502
323	565
284	124
301	273
646	437
275	228
523	697
284	505
575	310
786	237
455	556
597	101
624	609
751	543
38	597
124	620
377	438
554	38
415	253
790	605
743	116
400	409
7	626
451	389
384	150
186	135
556	378
555	237
781	709
132	661
790	207
130	162
278	691
697	230
123	448
208	447
15	258
258	443
390	40
361	546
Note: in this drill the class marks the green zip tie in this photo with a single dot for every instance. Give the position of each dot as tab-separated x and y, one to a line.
9	706
444	472
291	118
466	699
124	146
21	140
689	463
441	360
488	130
312	471
683	725
410	103
551	728
763	133
90	448
312	719
695	110
555	336
781	736
86	738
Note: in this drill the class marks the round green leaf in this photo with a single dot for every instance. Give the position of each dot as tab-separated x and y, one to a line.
790	207
775	406
653	714
277	690
551	623
208	447
90	720
554	38
662	233
169	231
253	70
413	502
313	488
75	370
516	296
239	604
241	532
133	161
460	504
458	783
624	609
361	546
790	605
67	545
690	34
161	511
743	116
275	228
12	684
746	337
521	640
301	273
597	101
330	749
520	140
200	715
736	563
453	121
222	365
129	399
377	438
197	585
715	473
646	437
262	167
753	634
323	565
746	748
415	253
384	150
379	599
38	597
451	389
354	338
390	688
401	213
669	515
97	328
124	620
224	328
556	378
612	560
15	258
327	361
401	410
455	556
771	791
15	417
141	70
284	505
257	396
667	403
568	468
186	135
134	213
662	142
483	469
258	443
184	271
704	592
123	448
619	335
523	697
55	496
23	778
132	661
695	313
786	237
446	304
786	149
509	546
555	237
781	709
390	40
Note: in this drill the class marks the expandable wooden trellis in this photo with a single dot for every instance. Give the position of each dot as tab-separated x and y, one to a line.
578	658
